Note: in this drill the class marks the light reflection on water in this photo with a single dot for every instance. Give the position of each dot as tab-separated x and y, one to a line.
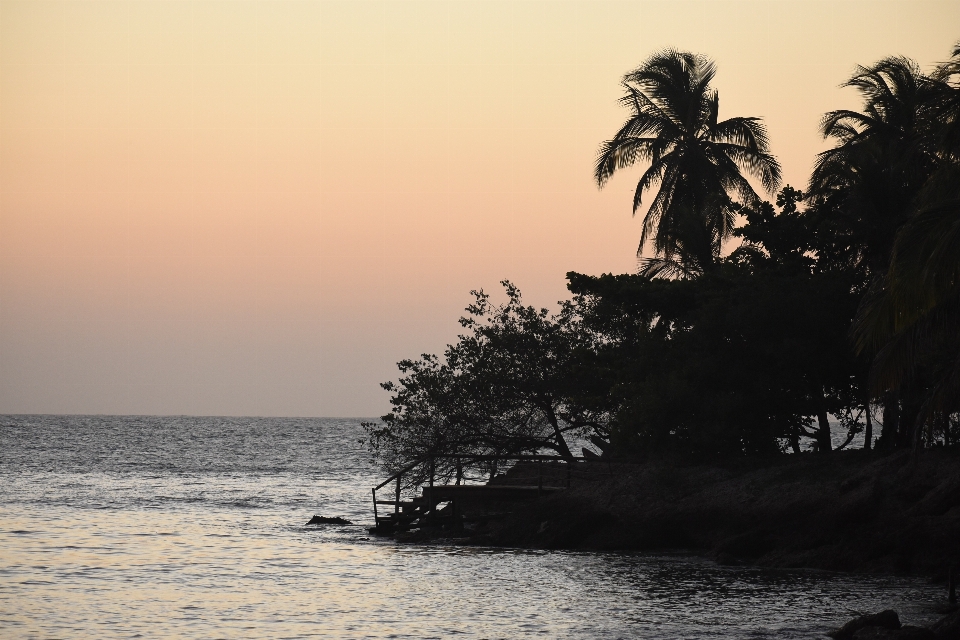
196	530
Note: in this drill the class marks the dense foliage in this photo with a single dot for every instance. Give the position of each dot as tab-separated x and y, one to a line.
842	301
518	381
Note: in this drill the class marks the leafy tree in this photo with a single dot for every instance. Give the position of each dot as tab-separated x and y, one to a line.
752	354
741	360
697	161
518	381
803	258
687	369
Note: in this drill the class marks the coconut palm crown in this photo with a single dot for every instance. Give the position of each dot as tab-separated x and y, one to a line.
883	155
697	162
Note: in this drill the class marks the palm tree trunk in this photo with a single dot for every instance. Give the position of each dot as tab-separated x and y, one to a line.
824	439
795	443
907	432
891	420
823	436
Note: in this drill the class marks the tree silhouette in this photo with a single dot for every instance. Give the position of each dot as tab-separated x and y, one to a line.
911	316
882	156
696	162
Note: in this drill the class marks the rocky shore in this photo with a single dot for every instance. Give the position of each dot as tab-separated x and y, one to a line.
848	511
886	626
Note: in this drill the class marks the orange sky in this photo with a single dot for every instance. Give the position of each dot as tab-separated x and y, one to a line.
257	208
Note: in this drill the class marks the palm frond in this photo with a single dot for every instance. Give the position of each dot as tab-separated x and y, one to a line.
761	165
925	267
745	132
662	202
652	176
696	162
838	124
668	269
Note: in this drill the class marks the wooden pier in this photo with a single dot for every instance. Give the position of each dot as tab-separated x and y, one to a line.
447	507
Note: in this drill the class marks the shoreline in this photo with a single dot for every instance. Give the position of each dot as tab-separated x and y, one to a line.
851	511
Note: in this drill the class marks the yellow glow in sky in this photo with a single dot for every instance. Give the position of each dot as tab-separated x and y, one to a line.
259	207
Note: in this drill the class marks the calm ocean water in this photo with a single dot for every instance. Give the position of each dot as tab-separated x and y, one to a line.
193	527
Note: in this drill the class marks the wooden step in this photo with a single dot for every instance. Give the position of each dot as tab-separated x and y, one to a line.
397	517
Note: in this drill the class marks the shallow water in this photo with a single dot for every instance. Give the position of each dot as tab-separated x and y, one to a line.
193	527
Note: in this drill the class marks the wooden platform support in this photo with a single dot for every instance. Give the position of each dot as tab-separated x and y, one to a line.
421	511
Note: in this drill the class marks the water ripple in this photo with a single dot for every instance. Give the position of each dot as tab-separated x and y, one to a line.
194	527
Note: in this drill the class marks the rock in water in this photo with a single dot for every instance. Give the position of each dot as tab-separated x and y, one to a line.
885	620
322	520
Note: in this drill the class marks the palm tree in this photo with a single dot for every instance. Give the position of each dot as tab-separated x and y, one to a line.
912	315
883	155
697	161
872	179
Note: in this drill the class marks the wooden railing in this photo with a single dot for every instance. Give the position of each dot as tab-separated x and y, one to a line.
459	460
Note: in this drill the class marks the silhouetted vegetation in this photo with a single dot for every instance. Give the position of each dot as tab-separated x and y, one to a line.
519	381
843	300
695	161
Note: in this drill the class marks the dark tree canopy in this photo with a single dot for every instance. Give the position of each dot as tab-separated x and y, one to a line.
894	177
842	301
518	381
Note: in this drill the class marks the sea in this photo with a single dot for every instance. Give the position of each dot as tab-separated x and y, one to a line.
195	527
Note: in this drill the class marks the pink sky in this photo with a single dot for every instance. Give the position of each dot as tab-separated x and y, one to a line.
257	208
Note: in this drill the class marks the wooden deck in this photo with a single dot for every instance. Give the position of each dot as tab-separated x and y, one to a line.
447	506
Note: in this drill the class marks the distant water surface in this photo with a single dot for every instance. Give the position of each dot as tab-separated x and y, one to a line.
132	526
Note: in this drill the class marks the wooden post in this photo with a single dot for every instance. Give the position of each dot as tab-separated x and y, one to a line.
396	506
459	469
432	504
376	520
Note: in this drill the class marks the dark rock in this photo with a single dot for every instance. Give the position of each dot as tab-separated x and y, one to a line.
903	633
884	620
322	520
948	628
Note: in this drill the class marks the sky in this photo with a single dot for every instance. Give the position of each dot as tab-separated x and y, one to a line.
258	208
